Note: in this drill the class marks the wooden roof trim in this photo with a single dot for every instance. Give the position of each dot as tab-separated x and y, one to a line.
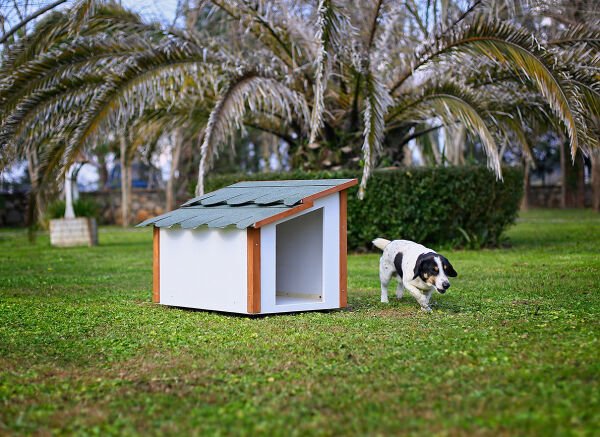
283	214
307	202
331	190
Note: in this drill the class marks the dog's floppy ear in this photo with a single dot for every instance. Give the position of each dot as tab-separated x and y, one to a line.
448	269
420	260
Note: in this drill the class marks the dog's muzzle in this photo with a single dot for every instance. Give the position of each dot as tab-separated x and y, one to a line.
445	286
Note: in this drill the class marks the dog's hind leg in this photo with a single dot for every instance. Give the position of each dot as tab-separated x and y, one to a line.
385	275
399	289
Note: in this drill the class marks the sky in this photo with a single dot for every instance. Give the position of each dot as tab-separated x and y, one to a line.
163	10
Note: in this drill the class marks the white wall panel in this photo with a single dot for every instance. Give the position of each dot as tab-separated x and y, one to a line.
204	268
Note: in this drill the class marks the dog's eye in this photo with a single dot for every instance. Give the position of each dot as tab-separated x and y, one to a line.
435	268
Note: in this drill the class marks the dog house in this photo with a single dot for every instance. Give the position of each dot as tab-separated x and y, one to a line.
255	248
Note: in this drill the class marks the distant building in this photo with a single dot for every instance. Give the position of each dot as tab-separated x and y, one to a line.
142	176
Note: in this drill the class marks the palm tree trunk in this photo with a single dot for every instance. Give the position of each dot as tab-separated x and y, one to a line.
175	158
125	183
102	172
525	200
572	175
595	158
563	173
455	139
37	201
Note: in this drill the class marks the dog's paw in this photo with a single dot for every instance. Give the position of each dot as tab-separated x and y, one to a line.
384	300
426	309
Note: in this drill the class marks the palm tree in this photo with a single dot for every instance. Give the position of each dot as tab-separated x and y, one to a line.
345	77
583	16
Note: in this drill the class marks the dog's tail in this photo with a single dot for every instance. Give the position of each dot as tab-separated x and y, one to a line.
381	243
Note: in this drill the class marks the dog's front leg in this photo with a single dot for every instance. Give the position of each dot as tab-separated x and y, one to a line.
428	296
419	296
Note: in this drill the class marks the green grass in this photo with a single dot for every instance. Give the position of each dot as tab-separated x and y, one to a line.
512	348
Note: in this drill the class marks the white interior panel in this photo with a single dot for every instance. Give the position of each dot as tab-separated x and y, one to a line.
330	259
299	257
204	268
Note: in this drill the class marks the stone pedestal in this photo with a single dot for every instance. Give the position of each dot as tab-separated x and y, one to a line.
80	231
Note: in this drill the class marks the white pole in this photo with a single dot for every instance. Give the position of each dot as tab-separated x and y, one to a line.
69	212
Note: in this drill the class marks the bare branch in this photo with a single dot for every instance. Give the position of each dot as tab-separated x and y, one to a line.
27	19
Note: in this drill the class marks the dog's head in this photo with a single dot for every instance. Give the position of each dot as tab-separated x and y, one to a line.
435	270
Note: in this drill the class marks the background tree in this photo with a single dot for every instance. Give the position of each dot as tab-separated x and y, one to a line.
342	83
570	30
16	17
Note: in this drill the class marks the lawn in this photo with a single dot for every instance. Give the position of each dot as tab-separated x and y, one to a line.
512	348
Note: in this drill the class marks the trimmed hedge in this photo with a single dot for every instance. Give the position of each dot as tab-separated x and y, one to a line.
448	206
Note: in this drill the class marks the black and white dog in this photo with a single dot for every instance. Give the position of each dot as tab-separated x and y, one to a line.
420	270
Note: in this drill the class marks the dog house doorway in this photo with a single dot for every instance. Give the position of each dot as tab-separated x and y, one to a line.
299	255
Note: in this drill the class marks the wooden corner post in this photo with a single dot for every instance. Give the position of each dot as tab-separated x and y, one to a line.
343	249
253	239
156	265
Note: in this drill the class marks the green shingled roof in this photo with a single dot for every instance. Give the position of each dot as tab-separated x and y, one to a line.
246	203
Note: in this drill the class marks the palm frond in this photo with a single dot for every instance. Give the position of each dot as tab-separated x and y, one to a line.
580	34
51	29
81	12
123	90
377	102
260	20
252	92
331	26
452	102
512	48
512	130
62	68
372	30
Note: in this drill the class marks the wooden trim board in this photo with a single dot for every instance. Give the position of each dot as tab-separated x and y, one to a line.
253	238
343	249
283	214
156	265
341	188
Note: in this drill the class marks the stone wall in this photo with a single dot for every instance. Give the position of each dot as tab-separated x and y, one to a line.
144	204
549	196
13	209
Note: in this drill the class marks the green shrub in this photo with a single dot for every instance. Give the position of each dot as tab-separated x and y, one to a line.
449	206
82	207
